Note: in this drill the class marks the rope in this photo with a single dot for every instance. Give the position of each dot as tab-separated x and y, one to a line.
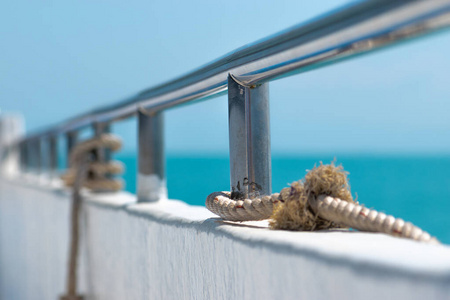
321	201
222	205
98	173
362	218
85	172
74	232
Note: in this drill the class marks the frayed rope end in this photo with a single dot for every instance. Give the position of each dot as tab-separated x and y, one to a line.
293	211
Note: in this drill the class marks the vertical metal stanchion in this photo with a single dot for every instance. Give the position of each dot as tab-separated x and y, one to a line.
29	156
32	151
249	136
72	138
151	185
38	155
103	155
23	157
43	145
53	155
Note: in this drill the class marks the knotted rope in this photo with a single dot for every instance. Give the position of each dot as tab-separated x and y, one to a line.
98	172
321	201
85	171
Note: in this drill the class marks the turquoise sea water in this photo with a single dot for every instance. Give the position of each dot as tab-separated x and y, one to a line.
416	189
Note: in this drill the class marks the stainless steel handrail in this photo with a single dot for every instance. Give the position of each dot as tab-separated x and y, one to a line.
245	73
353	30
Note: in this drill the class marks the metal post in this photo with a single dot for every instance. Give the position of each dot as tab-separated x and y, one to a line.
43	146
151	164
53	154
23	157
32	156
29	156
249	135
72	138
103	155
38	155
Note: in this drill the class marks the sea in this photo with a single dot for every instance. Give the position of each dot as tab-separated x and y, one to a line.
414	188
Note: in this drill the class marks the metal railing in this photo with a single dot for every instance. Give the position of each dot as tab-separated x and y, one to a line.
246	73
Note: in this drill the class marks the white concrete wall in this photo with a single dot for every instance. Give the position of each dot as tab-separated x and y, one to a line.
171	250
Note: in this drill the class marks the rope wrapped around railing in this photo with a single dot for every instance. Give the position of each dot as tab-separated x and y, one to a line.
97	176
86	171
321	201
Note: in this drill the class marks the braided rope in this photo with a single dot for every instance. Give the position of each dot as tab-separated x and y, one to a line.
98	172
298	207
364	219
71	283
335	210
111	167
98	179
222	205
105	140
91	174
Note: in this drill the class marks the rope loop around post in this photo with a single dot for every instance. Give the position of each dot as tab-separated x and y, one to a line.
259	208
321	201
98	172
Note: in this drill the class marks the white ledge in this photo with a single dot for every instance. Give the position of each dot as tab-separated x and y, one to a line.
384	264
373	250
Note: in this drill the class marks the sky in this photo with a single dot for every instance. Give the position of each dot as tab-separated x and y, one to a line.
63	58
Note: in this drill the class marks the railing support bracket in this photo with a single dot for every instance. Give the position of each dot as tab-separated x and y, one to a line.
249	136
151	181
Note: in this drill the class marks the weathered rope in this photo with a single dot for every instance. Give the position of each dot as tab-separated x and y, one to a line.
74	232
86	172
98	173
323	200
222	205
362	218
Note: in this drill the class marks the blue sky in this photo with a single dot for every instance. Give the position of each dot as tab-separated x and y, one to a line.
61	58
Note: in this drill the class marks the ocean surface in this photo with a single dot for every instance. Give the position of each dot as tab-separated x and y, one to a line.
414	188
